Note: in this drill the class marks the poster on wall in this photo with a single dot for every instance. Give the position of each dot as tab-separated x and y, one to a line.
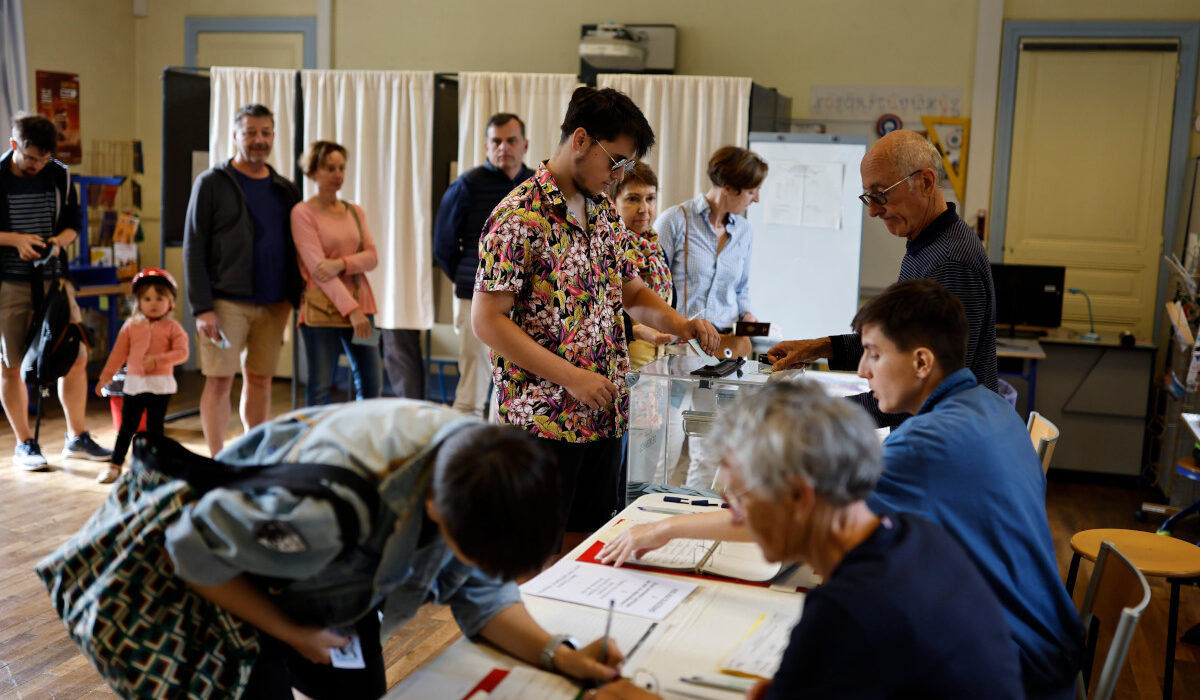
58	101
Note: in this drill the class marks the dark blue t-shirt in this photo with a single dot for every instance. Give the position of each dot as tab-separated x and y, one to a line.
904	615
270	215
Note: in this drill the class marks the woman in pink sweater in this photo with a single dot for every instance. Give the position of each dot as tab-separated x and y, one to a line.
335	250
150	344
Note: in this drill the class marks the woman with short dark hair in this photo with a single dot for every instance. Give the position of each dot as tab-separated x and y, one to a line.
707	241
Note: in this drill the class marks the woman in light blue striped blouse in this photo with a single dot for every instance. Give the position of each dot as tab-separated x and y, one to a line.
707	240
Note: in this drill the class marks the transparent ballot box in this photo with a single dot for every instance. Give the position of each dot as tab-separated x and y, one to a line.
671	411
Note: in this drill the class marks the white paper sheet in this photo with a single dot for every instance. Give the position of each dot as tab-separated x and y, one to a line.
839	383
822	195
680	553
633	635
524	683
594	585
761	651
805	194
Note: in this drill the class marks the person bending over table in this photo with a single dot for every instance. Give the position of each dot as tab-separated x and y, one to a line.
963	460
466	507
902	613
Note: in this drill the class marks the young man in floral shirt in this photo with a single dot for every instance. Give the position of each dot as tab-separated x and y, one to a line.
555	273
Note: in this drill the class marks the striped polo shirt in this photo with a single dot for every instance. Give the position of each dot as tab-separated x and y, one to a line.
950	253
31	209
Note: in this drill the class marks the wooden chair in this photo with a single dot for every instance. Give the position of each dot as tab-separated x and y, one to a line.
1044	435
1153	555
1117	595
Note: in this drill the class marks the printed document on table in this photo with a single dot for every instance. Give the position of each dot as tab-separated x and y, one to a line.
761	650
595	585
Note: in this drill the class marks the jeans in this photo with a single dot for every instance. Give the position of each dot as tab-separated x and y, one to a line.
322	346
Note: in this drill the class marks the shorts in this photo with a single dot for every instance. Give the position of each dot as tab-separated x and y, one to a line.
255	333
16	315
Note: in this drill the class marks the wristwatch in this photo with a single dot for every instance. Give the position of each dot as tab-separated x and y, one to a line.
547	657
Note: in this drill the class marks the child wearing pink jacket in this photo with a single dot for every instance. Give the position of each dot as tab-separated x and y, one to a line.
150	344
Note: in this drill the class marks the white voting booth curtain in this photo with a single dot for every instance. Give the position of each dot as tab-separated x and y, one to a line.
539	99
234	87
692	116
385	121
14	71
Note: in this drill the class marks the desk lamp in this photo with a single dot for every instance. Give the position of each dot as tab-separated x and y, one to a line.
1091	336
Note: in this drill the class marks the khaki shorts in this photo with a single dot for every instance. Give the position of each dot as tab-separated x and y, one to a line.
16	315
255	333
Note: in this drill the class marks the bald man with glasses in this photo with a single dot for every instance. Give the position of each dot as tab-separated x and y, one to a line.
899	176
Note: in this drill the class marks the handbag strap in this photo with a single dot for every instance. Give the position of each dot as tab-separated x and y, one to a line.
358	225
203	474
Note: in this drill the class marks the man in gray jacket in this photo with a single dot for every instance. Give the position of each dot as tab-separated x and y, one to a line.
242	278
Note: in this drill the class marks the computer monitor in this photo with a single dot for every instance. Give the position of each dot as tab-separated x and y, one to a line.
1028	295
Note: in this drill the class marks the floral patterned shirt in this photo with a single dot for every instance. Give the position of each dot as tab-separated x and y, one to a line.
567	286
652	263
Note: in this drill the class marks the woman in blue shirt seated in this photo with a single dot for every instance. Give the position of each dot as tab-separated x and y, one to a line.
903	612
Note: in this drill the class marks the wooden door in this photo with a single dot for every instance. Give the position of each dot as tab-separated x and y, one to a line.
1091	138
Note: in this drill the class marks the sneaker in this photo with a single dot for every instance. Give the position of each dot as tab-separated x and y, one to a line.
84	447
28	456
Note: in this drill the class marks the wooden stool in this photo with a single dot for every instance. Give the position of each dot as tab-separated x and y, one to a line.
1153	555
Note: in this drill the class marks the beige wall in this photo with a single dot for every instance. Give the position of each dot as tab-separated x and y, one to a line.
788	44
782	43
95	41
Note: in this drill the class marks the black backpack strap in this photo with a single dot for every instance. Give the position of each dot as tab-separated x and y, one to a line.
203	474
37	294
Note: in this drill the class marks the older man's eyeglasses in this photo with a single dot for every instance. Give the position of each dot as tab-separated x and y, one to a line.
625	163
880	197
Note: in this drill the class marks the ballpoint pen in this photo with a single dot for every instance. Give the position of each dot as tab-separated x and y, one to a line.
607	630
691	502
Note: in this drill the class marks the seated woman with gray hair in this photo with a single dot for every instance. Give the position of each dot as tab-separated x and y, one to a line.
902	613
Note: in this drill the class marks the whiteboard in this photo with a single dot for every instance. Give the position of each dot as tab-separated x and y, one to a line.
804	266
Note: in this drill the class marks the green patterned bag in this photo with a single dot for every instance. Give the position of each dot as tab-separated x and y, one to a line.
146	632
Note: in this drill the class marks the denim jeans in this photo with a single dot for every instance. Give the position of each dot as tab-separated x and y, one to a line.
322	346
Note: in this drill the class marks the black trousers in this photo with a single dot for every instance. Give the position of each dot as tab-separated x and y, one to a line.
155	408
404	361
593	487
279	668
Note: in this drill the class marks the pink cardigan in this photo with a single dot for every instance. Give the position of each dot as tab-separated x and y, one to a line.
320	235
164	340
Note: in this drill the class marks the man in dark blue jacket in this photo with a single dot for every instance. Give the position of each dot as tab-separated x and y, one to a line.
39	217
465	208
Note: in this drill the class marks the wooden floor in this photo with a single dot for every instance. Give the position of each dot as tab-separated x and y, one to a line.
38	511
